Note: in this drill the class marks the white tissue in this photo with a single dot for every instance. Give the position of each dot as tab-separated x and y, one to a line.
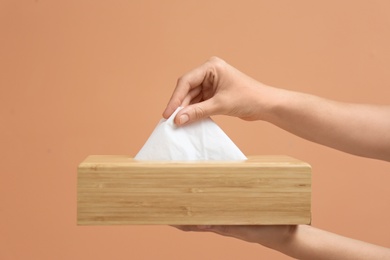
200	140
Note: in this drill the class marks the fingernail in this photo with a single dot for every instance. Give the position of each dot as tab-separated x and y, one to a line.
183	119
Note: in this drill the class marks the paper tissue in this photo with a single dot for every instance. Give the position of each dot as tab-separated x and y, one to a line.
201	140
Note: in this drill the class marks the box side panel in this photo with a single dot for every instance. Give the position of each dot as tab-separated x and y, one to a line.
193	195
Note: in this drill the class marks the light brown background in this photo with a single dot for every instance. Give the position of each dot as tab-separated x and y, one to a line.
93	77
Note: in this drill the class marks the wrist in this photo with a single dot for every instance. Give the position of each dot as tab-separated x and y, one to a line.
286	240
270	102
276	237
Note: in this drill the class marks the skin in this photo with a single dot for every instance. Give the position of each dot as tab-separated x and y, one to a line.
217	88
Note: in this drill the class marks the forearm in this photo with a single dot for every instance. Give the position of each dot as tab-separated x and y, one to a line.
307	242
354	128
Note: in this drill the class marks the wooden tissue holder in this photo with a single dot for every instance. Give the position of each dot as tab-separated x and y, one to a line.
118	190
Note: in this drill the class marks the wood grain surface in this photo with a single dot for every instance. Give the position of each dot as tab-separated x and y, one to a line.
118	190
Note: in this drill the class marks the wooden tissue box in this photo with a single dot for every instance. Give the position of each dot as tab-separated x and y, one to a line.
118	190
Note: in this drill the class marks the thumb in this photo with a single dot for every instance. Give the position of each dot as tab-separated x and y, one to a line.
195	112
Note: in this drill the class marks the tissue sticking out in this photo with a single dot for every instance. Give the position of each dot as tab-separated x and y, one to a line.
202	140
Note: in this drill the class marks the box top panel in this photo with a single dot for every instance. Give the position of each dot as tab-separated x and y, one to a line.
257	161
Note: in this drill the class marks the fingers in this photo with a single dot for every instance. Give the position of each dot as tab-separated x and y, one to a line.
247	233
195	112
184	86
191	228
193	96
231	231
265	235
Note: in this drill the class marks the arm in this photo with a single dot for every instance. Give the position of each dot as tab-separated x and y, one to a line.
301	242
307	242
218	88
358	129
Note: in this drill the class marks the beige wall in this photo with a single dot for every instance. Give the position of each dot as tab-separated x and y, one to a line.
93	77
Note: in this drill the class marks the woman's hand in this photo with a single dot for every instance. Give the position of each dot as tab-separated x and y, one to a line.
301	241
272	236
217	88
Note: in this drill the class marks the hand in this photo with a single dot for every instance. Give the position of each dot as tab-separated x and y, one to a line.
300	242
274	237
216	88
